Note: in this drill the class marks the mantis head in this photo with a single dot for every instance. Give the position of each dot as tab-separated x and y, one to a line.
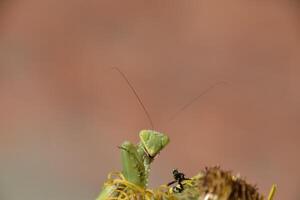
153	142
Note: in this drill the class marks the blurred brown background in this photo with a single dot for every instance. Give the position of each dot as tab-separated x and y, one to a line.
63	112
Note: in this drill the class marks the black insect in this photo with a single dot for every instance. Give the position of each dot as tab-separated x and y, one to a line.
179	177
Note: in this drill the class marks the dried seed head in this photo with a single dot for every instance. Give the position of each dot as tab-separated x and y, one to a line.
217	184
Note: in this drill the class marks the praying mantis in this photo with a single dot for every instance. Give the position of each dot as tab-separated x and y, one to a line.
136	160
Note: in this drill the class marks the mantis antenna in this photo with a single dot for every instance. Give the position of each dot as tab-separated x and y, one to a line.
184	107
136	95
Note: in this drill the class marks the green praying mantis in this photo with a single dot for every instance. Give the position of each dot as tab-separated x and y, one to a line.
136	160
211	184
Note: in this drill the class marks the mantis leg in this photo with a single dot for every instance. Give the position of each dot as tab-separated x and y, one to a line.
132	164
133	172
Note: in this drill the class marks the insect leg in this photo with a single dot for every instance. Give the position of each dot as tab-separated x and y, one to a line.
171	183
133	169
180	187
